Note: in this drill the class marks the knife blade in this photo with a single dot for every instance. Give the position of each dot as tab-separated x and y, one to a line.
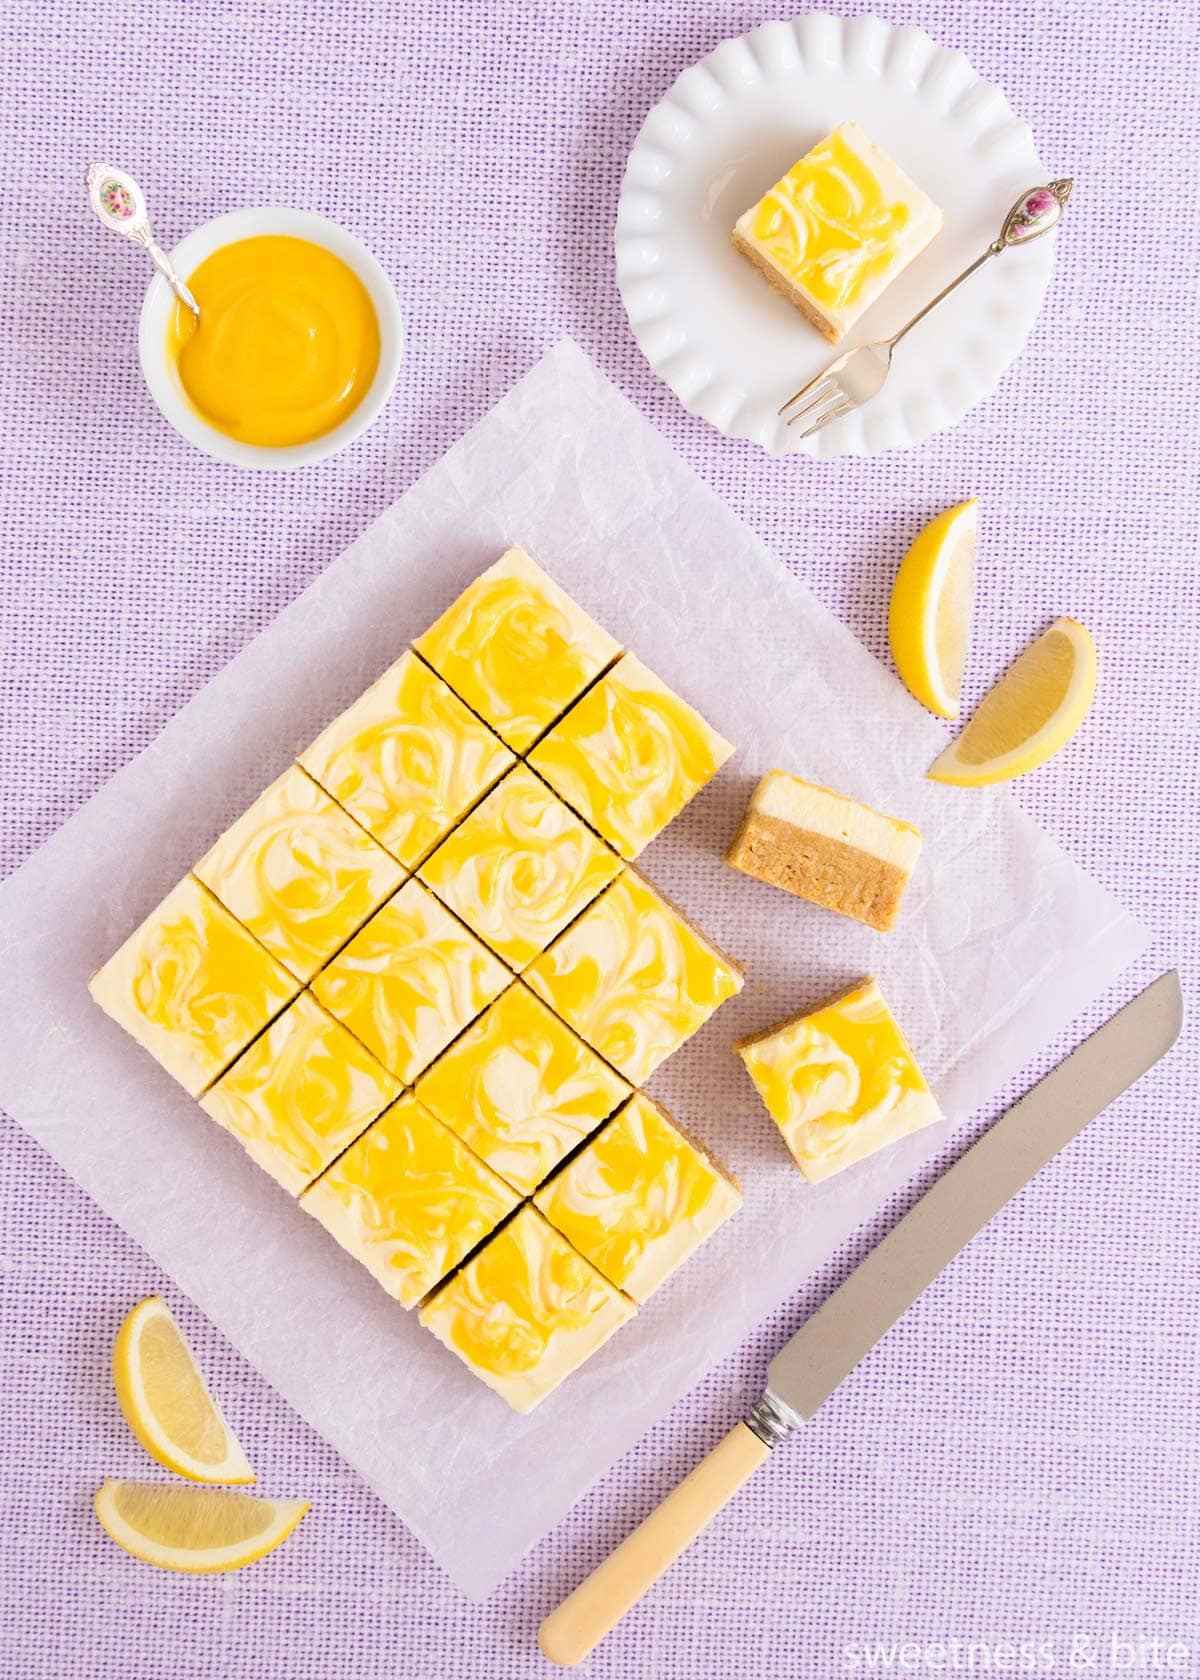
832	1341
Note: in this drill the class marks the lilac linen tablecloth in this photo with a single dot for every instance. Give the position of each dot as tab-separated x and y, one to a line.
1017	1463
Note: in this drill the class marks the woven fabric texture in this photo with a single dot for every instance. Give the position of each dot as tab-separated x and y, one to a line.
1016	1463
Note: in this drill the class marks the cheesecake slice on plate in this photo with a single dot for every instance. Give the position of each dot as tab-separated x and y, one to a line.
834	232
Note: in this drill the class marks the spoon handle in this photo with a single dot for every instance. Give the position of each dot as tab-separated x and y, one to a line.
172	276
120	204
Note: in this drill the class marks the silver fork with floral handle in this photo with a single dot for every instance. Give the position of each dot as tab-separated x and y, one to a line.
860	374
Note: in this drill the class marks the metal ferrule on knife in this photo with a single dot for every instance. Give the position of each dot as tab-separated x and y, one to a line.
771	1420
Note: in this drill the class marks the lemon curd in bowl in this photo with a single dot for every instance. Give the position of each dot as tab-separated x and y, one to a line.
298	347
287	343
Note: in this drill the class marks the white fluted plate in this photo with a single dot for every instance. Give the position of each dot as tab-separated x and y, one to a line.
729	346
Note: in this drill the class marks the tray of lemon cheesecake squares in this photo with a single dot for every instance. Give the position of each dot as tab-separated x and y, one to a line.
524	964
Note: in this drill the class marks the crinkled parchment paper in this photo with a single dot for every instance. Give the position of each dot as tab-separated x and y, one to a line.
1001	942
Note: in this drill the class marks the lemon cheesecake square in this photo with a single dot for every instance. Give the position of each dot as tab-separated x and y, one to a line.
302	1092
630	756
526	1311
837	229
517	648
521	1089
840	1082
520	867
639	1198
634	977
409	1200
826	848
410	981
407	760
299	873
192	986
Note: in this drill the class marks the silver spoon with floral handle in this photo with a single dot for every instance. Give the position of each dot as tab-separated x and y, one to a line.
121	205
860	374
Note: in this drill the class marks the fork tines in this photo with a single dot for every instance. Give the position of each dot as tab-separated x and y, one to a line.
821	401
828	402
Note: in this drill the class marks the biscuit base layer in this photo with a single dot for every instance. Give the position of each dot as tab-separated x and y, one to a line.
824	871
794	294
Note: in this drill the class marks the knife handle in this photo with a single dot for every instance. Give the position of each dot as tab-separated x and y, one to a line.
598	1603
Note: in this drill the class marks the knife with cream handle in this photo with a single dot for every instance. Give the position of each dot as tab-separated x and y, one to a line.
831	1342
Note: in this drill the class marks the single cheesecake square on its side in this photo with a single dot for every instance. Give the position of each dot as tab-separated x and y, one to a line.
521	1089
520	867
192	986
634	977
639	1198
407	760
630	756
410	981
840	1082
839	227
828	849
526	1311
302	1092
517	648
299	873
408	1200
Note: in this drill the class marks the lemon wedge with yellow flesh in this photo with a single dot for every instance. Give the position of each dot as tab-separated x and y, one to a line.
166	1401
200	1531
1034	709
929	620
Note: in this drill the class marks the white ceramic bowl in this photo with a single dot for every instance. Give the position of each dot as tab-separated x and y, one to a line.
163	378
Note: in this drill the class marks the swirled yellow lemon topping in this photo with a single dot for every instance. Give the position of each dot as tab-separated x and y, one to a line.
520	867
287	343
633	977
192	986
410	981
830	223
407	759
526	1311
517	648
630	755
838	228
417	982
521	1089
638	1199
841	1082
408	1200
298	873
300	1094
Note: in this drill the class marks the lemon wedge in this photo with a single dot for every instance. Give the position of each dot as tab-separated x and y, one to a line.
1034	709
167	1403
200	1531
929	620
